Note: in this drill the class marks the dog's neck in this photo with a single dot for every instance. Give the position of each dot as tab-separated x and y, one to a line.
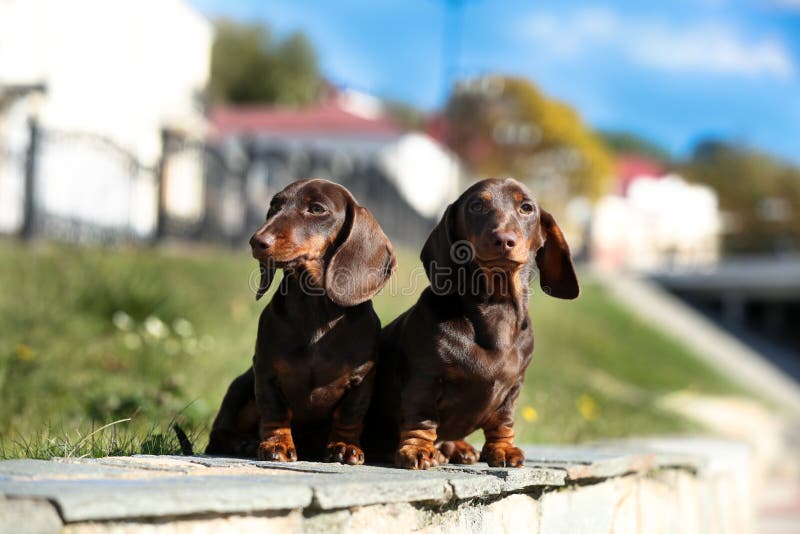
509	286
304	302
498	304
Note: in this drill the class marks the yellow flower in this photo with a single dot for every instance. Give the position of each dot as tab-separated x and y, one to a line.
530	414
238	308
588	407
24	352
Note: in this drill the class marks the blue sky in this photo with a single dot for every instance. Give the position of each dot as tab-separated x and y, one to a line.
675	72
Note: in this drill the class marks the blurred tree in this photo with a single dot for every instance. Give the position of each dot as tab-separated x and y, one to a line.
621	142
249	66
759	196
505	125
406	115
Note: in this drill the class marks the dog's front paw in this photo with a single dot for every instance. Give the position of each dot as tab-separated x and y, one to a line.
344	453
458	452
418	456
277	449
502	455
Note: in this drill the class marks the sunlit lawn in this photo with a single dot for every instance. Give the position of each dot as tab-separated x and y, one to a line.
142	337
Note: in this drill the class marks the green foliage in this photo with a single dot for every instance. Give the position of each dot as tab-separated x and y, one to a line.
602	372
759	195
91	336
135	339
505	125
248	65
630	143
113	439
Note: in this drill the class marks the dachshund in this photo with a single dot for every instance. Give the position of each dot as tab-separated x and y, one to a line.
455	361
310	384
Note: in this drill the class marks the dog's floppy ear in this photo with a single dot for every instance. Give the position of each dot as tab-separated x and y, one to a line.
437	253
556	272
363	262
267	269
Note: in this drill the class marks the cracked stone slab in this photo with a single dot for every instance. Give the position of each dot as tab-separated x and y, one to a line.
352	490
91	499
147	486
431	485
466	482
152	466
206	461
698	453
153	463
371	484
472	484
337	485
45	469
513	478
581	462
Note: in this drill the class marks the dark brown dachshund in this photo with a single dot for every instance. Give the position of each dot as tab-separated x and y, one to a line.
456	360
312	373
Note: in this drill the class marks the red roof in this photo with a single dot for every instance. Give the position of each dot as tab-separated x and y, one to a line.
324	118
436	127
631	167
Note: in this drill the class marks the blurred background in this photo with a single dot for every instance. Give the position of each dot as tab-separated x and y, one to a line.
140	143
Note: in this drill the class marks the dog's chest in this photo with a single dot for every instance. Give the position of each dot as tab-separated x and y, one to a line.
312	378
476	380
469	398
482	373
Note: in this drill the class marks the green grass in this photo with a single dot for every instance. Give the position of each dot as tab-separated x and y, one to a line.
144	337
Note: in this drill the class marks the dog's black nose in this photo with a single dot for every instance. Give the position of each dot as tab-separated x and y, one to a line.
505	241
262	242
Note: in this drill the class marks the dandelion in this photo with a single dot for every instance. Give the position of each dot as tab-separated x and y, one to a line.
183	327
587	407
24	352
155	327
122	321
530	414
238	308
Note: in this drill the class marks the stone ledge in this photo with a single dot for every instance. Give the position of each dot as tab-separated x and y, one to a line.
226	491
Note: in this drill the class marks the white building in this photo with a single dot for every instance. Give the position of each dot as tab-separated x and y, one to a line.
406	178
351	124
120	70
659	222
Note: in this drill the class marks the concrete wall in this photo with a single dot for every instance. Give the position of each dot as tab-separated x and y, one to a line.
647	486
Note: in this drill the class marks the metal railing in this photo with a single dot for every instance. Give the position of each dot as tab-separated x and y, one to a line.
79	187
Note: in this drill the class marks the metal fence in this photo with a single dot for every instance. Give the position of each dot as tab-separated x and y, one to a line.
85	188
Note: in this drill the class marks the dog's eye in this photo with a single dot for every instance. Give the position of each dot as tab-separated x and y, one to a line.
316	209
476	206
526	208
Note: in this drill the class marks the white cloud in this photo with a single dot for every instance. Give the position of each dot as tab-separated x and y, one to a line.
790	4
705	47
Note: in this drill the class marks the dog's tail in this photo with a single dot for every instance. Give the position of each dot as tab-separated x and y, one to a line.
183	440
